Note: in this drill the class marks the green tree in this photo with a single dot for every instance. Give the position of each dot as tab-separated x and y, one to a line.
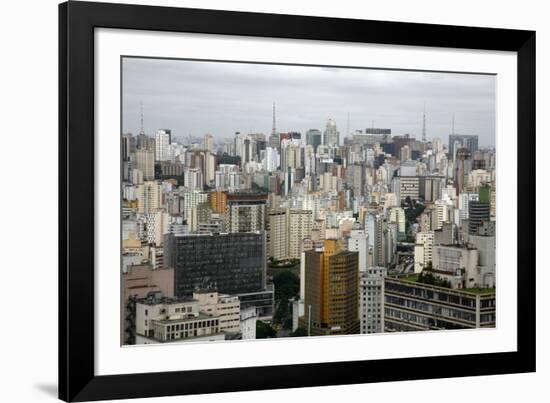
287	285
264	330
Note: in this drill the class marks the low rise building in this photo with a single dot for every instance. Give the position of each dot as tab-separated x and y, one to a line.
227	307
161	319
410	305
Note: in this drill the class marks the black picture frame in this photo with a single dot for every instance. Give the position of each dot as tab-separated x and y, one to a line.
77	21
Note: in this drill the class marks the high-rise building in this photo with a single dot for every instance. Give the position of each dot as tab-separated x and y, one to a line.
145	162
287	230
203	160
162	141
300	223
232	263
193	179
358	241
128	146
156	225
191	201
149	197
271	159
405	153
371	299
463	165
331	135
331	303
277	236
356	178
407	186
467	141
314	138
374	226
430	187
208	142
437	144
423	250
397	215
478	213
218	201
246	211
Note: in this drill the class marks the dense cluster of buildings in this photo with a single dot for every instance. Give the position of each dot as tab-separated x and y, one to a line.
392	233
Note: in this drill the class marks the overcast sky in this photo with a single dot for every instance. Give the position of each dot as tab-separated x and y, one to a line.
194	98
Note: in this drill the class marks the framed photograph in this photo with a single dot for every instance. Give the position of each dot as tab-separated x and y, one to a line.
257	201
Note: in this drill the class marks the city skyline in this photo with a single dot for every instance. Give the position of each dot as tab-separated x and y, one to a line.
221	98
297	233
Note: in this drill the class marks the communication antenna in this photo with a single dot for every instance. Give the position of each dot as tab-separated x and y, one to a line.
453	125
347	129
424	124
274	129
141	131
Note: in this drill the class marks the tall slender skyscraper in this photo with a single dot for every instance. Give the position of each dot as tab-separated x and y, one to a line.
332	135
274	137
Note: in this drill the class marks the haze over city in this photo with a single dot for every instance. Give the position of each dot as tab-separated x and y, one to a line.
252	210
221	98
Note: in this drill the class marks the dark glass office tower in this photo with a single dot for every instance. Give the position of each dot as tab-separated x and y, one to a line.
232	263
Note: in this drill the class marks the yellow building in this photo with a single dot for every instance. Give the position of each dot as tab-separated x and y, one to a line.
331	290
218	201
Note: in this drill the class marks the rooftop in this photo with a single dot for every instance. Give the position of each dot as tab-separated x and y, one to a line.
183	318
413	278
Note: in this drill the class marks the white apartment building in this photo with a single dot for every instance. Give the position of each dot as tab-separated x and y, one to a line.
163	139
371	299
193	179
299	227
287	229
423	250
359	242
442	212
156	225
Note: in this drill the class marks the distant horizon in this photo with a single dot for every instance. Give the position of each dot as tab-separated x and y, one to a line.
194	98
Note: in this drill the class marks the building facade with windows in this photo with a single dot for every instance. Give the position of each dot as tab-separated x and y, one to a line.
160	320
410	305
331	303
371	299
232	263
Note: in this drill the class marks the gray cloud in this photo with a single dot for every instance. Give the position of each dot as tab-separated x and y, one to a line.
194	97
